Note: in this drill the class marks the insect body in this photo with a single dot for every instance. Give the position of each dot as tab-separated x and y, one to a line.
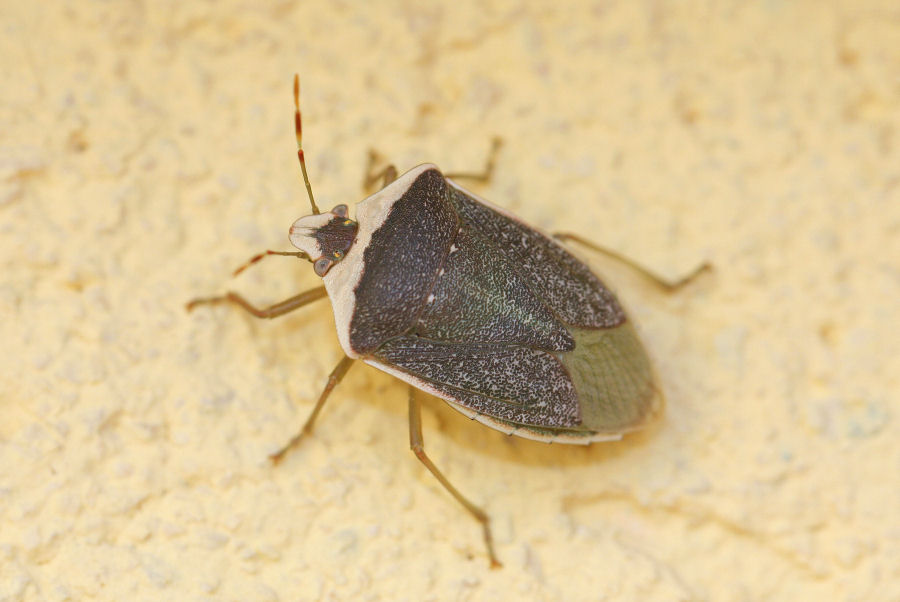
457	298
462	300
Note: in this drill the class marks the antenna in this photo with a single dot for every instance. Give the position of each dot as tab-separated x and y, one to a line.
298	127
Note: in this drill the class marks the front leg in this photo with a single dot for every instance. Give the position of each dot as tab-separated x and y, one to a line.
273	311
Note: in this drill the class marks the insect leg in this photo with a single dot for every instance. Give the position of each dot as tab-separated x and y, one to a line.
273	311
417	444
663	283
386	175
260	256
333	379
485	174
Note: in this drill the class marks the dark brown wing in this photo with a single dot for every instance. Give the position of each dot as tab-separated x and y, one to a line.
565	284
515	384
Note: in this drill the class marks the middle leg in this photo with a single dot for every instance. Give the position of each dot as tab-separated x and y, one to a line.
333	379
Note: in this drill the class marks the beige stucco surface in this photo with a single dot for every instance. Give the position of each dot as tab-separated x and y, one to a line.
146	150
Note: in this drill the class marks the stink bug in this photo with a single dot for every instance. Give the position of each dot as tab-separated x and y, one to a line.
461	299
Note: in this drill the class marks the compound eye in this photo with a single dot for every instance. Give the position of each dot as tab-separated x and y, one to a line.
340	211
322	265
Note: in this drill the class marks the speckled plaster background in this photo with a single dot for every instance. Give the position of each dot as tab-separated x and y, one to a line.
146	150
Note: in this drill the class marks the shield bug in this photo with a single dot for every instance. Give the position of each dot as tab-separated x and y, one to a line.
461	299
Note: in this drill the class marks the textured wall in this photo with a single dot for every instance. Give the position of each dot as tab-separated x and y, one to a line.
146	150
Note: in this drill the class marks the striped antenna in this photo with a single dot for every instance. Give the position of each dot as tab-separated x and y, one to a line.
298	127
